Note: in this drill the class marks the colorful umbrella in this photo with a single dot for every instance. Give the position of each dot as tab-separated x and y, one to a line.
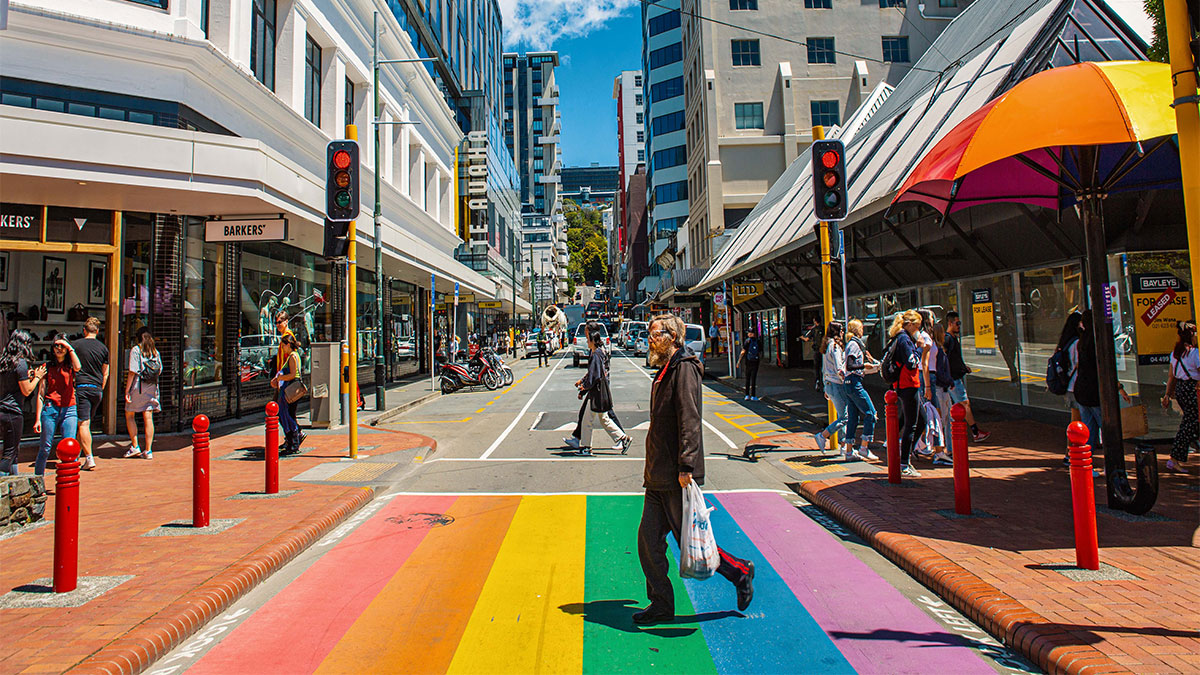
1063	136
1024	146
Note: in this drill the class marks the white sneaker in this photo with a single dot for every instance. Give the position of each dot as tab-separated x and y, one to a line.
867	455
910	472
623	445
849	456
90	463
572	442
133	451
820	439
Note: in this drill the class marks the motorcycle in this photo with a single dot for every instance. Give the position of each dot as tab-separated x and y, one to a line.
498	364
455	376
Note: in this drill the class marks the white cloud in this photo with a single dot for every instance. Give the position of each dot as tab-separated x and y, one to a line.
1134	13
537	24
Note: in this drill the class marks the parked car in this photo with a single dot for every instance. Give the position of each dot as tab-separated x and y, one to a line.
641	342
580	347
693	337
630	331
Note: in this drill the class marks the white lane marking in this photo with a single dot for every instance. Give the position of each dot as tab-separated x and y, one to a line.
711	428
569	426
643	426
537	420
500	439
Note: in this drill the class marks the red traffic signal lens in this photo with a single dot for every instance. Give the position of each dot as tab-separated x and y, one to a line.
341	159
831	199
342	179
829	159
830	179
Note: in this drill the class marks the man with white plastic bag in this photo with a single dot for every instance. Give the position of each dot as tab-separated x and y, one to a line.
675	463
699	556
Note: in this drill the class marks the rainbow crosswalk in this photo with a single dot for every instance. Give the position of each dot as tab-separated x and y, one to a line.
524	584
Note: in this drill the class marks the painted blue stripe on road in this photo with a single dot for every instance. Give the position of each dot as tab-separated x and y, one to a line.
777	634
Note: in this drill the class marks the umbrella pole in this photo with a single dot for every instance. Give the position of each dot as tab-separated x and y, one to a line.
1092	214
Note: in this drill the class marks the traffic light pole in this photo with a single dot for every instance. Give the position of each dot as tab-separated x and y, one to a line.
380	395
826	284
1187	121
352	318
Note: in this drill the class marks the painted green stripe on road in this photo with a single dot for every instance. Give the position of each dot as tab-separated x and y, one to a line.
615	587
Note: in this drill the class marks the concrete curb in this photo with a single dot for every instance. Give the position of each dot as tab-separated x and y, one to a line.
1044	643
143	645
388	414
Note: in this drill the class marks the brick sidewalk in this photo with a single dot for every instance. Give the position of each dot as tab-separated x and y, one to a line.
178	582
1011	572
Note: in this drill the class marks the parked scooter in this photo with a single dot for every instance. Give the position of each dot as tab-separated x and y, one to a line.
498	364
455	376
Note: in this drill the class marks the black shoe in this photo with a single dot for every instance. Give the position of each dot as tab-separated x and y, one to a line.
650	616
745	588
300	436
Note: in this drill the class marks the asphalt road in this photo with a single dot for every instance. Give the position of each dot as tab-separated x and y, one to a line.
505	552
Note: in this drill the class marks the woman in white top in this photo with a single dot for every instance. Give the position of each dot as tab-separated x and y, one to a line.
141	392
833	373
1181	385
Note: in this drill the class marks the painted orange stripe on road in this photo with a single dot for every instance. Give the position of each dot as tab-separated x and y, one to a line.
415	623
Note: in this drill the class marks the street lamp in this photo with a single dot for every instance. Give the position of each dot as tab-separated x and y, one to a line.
380	403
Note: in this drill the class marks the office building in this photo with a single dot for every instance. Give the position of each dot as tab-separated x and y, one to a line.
631	138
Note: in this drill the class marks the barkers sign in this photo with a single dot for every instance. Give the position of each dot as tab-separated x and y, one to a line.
270	229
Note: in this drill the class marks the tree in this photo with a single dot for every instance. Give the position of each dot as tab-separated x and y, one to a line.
1158	43
587	247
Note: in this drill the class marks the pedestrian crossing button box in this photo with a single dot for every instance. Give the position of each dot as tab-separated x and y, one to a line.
326	385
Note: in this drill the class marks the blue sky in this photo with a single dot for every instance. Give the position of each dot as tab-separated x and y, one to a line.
595	40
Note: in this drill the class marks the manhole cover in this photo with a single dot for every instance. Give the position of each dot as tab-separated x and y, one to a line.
421	521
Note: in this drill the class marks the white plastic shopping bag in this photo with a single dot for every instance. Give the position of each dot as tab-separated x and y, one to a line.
698	556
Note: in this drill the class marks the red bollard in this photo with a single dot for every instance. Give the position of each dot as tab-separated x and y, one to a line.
200	472
962	478
890	399
1083	495
272	448
66	516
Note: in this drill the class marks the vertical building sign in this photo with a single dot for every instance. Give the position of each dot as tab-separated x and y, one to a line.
985	322
1159	301
477	178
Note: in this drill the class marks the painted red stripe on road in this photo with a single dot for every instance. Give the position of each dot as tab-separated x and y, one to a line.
295	630
871	623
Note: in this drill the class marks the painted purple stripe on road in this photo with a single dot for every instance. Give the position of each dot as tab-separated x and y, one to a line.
875	627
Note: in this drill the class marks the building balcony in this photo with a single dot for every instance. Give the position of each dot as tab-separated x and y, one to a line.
548	140
549	179
563	260
561	246
547	101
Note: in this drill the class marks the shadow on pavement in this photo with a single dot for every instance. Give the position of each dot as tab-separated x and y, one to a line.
934	639
618	614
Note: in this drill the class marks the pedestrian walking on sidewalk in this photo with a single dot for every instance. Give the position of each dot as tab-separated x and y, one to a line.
833	371
54	412
90	383
17	381
675	458
958	372
907	355
1181	386
813	336
1084	385
858	402
751	353
141	392
937	390
714	340
596	393
287	369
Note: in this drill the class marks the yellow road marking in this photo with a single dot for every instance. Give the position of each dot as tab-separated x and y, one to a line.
480	410
517	625
465	419
745	428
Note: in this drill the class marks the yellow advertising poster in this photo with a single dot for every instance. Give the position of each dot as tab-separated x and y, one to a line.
1159	300
985	321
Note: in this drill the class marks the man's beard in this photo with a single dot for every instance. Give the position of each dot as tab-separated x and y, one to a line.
658	358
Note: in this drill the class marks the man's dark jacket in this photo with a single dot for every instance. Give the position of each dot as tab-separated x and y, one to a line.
676	440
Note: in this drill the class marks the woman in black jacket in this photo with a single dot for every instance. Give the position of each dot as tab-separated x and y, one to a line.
595	389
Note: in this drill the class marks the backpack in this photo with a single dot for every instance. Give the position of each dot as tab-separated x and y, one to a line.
1058	371
150	370
942	378
889	368
752	350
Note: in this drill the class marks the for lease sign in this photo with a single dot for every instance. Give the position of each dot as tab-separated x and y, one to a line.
1160	300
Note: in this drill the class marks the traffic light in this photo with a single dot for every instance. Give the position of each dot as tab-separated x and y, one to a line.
341	180
337	245
829	180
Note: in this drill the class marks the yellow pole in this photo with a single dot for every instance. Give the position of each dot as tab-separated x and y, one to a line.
826	288
1187	121
352	319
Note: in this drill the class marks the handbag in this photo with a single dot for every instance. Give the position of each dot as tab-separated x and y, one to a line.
77	313
1134	422
295	391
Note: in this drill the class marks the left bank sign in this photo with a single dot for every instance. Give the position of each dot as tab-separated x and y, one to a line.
269	229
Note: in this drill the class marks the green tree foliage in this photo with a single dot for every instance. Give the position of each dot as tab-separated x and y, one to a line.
1158	44
587	246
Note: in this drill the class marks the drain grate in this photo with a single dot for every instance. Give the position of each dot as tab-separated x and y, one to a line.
361	473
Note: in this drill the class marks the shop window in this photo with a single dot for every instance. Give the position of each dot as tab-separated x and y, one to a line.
1047	297
204	356
990	340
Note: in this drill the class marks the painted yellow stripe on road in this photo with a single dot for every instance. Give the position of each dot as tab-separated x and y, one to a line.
465	419
517	625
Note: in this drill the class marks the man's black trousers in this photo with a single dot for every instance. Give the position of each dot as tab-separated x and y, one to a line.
662	513
751	378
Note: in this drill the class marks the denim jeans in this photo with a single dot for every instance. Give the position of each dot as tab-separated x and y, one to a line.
287	411
55	419
1090	416
836	391
858	402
